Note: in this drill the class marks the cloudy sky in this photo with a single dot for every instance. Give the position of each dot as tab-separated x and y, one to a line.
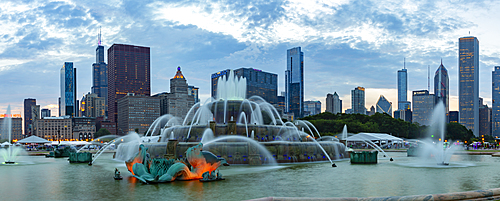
346	43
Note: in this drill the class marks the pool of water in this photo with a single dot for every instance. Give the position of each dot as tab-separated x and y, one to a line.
41	178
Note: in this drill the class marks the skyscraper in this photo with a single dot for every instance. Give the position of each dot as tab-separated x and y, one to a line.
423	105
441	88
495	95
403	103
384	106
294	82
100	73
28	120
128	72
333	103
312	108
68	90
358	100
468	87
45	113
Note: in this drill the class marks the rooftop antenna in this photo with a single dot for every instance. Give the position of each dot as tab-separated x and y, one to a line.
99	37
404	63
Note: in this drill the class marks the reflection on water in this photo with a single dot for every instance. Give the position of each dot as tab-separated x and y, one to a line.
56	179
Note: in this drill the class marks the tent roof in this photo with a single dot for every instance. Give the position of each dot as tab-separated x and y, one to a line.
373	136
33	139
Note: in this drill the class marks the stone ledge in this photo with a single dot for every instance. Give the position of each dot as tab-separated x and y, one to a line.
489	194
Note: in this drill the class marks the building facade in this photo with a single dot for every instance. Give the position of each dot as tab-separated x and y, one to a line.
180	99
129	71
333	103
495	95
294	82
84	128
28	120
453	117
423	105
468	85
193	91
403	102
358	100
16	128
312	108
484	119
137	112
384	106
442	88
55	128
100	74
94	106
35	115
259	83
44	113
69	106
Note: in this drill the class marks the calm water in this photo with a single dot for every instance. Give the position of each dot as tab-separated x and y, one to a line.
43	178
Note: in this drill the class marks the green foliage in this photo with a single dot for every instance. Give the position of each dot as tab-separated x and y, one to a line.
332	124
101	132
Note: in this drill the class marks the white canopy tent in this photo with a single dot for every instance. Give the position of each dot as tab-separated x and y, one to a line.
33	139
380	137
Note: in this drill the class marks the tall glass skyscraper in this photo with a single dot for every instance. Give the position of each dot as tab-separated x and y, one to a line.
100	74
333	103
403	103
358	100
441	87
495	95
68	90
294	82
468	87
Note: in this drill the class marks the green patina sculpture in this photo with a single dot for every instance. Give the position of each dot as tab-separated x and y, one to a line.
196	163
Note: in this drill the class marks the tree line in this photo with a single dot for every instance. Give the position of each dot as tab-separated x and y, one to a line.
332	124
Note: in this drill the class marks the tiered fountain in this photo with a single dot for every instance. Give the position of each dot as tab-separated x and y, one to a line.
243	131
9	155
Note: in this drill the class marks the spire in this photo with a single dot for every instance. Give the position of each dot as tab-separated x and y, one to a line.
99	37
179	75
441	61
404	63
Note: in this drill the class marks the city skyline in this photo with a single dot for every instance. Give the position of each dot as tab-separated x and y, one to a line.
362	59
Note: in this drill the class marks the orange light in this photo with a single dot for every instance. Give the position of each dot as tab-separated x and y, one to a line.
439	139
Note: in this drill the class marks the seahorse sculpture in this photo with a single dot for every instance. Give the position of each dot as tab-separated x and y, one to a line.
158	170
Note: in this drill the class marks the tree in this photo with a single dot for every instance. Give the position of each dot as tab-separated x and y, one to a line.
101	132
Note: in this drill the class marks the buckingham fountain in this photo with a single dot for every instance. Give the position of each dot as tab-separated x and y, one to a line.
238	129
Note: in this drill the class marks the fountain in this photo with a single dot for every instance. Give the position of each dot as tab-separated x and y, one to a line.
240	130
10	154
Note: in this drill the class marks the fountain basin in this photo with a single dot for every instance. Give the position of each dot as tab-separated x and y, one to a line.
80	157
364	157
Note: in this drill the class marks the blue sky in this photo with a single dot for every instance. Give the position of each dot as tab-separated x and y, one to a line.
346	43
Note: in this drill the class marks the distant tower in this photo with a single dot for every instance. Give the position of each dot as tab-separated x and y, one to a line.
468	85
28	119
441	87
358	100
294	82
384	106
495	95
100	73
333	103
69	105
403	103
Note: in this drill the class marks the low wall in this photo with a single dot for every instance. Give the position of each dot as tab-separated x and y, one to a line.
489	194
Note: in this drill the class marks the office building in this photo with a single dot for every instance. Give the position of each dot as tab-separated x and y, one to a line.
294	82
16	128
28	120
384	106
358	100
84	128
423	105
137	112
484	119
468	85
312	108
100	74
333	103
129	71
106	124
403	103
259	83
453	117
495	108
69	106
441	88
405	115
93	106
55	128
371	111
180	99
44	113
193	91
35	115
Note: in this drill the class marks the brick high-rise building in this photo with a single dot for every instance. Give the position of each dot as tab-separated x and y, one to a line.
128	72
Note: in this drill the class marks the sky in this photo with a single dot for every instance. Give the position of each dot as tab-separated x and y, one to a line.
346	43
